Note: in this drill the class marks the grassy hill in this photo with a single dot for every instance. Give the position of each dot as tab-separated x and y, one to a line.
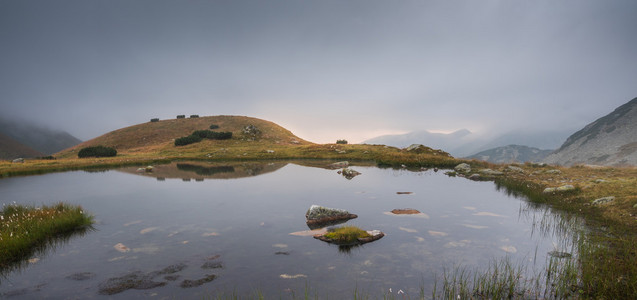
11	149
157	138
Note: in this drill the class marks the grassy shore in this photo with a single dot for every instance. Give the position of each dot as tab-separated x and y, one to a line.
607	262
25	230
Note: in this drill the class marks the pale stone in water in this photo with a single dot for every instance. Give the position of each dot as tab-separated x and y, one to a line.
210	234
488	214
287	276
147	230
509	249
475	226
437	233
280	246
121	248
408	229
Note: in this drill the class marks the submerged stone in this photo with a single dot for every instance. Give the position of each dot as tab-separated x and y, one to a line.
81	276
136	280
194	283
559	254
212	265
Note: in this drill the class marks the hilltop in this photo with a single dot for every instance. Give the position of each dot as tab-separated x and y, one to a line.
157	138
610	141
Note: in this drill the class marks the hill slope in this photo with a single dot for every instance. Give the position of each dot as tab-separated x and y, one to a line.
610	140
158	137
41	139
511	153
12	149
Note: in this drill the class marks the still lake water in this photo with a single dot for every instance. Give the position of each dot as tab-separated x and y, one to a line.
235	222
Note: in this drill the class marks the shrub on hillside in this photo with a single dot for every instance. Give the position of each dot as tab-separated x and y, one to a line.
154	120
187	140
181	116
341	141
194	116
214	126
97	151
213	135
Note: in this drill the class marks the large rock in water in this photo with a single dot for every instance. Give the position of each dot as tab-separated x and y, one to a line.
319	216
610	141
463	168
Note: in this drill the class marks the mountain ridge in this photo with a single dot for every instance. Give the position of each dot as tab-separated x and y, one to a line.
610	140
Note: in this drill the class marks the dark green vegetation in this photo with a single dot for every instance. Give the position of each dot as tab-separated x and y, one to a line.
214	126
97	151
199	135
343	142
187	140
26	230
154	120
181	116
194	116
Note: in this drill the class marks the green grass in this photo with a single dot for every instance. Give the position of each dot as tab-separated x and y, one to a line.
346	234
25	230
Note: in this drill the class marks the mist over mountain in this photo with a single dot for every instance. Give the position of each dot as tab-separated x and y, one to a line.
41	139
512	153
453	143
464	143
12	149
610	140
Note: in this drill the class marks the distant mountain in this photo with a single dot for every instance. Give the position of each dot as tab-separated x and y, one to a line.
449	142
12	149
512	153
47	141
610	140
463	143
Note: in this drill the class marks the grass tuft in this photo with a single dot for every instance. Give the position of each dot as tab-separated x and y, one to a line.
26	229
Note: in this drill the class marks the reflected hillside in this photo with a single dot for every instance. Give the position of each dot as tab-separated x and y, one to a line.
198	170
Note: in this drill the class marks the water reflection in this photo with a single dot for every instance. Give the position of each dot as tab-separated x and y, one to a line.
198	171
35	254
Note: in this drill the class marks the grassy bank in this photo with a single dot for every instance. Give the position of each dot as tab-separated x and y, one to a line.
25	230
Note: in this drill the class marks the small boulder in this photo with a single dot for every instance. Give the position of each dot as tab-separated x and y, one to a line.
418	148
463	168
549	190
565	188
269	151
349	173
603	200
474	177
319	216
515	169
18	160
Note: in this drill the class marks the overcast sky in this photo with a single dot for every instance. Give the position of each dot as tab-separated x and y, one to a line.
326	70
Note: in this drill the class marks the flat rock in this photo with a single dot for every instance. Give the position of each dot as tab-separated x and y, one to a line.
405	211
319	216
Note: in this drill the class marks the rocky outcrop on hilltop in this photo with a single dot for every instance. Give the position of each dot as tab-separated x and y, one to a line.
610	141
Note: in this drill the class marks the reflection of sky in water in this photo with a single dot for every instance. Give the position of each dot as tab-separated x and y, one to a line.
247	221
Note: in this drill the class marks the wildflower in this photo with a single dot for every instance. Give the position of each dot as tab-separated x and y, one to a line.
400	292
